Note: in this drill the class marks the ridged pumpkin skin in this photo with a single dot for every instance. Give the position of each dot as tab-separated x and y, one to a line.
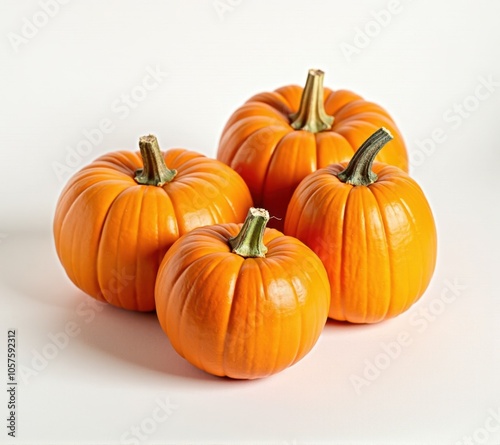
111	233
260	143
377	242
244	318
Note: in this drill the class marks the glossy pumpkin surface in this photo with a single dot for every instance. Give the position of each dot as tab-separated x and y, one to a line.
277	138
111	232
238	316
377	241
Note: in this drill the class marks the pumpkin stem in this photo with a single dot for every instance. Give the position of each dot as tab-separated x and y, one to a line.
312	115
359	170
248	243
155	172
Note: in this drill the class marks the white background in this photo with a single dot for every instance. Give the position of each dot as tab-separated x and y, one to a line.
70	73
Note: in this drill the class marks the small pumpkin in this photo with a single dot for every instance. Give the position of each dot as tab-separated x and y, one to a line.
117	217
373	230
242	301
276	139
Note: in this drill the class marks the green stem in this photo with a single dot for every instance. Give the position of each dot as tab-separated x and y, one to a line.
312	115
155	172
359	170
248	243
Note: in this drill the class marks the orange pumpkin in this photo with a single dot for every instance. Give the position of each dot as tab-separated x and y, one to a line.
276	139
117	217
242	301
373	230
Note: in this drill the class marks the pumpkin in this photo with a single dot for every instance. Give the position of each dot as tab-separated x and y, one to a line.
117	217
242	301
373	228
276	139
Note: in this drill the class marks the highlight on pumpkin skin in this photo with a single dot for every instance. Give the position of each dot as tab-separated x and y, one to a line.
373	228
243	315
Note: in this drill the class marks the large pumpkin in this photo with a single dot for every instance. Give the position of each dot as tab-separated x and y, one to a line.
276	139
373	230
242	301
117	217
